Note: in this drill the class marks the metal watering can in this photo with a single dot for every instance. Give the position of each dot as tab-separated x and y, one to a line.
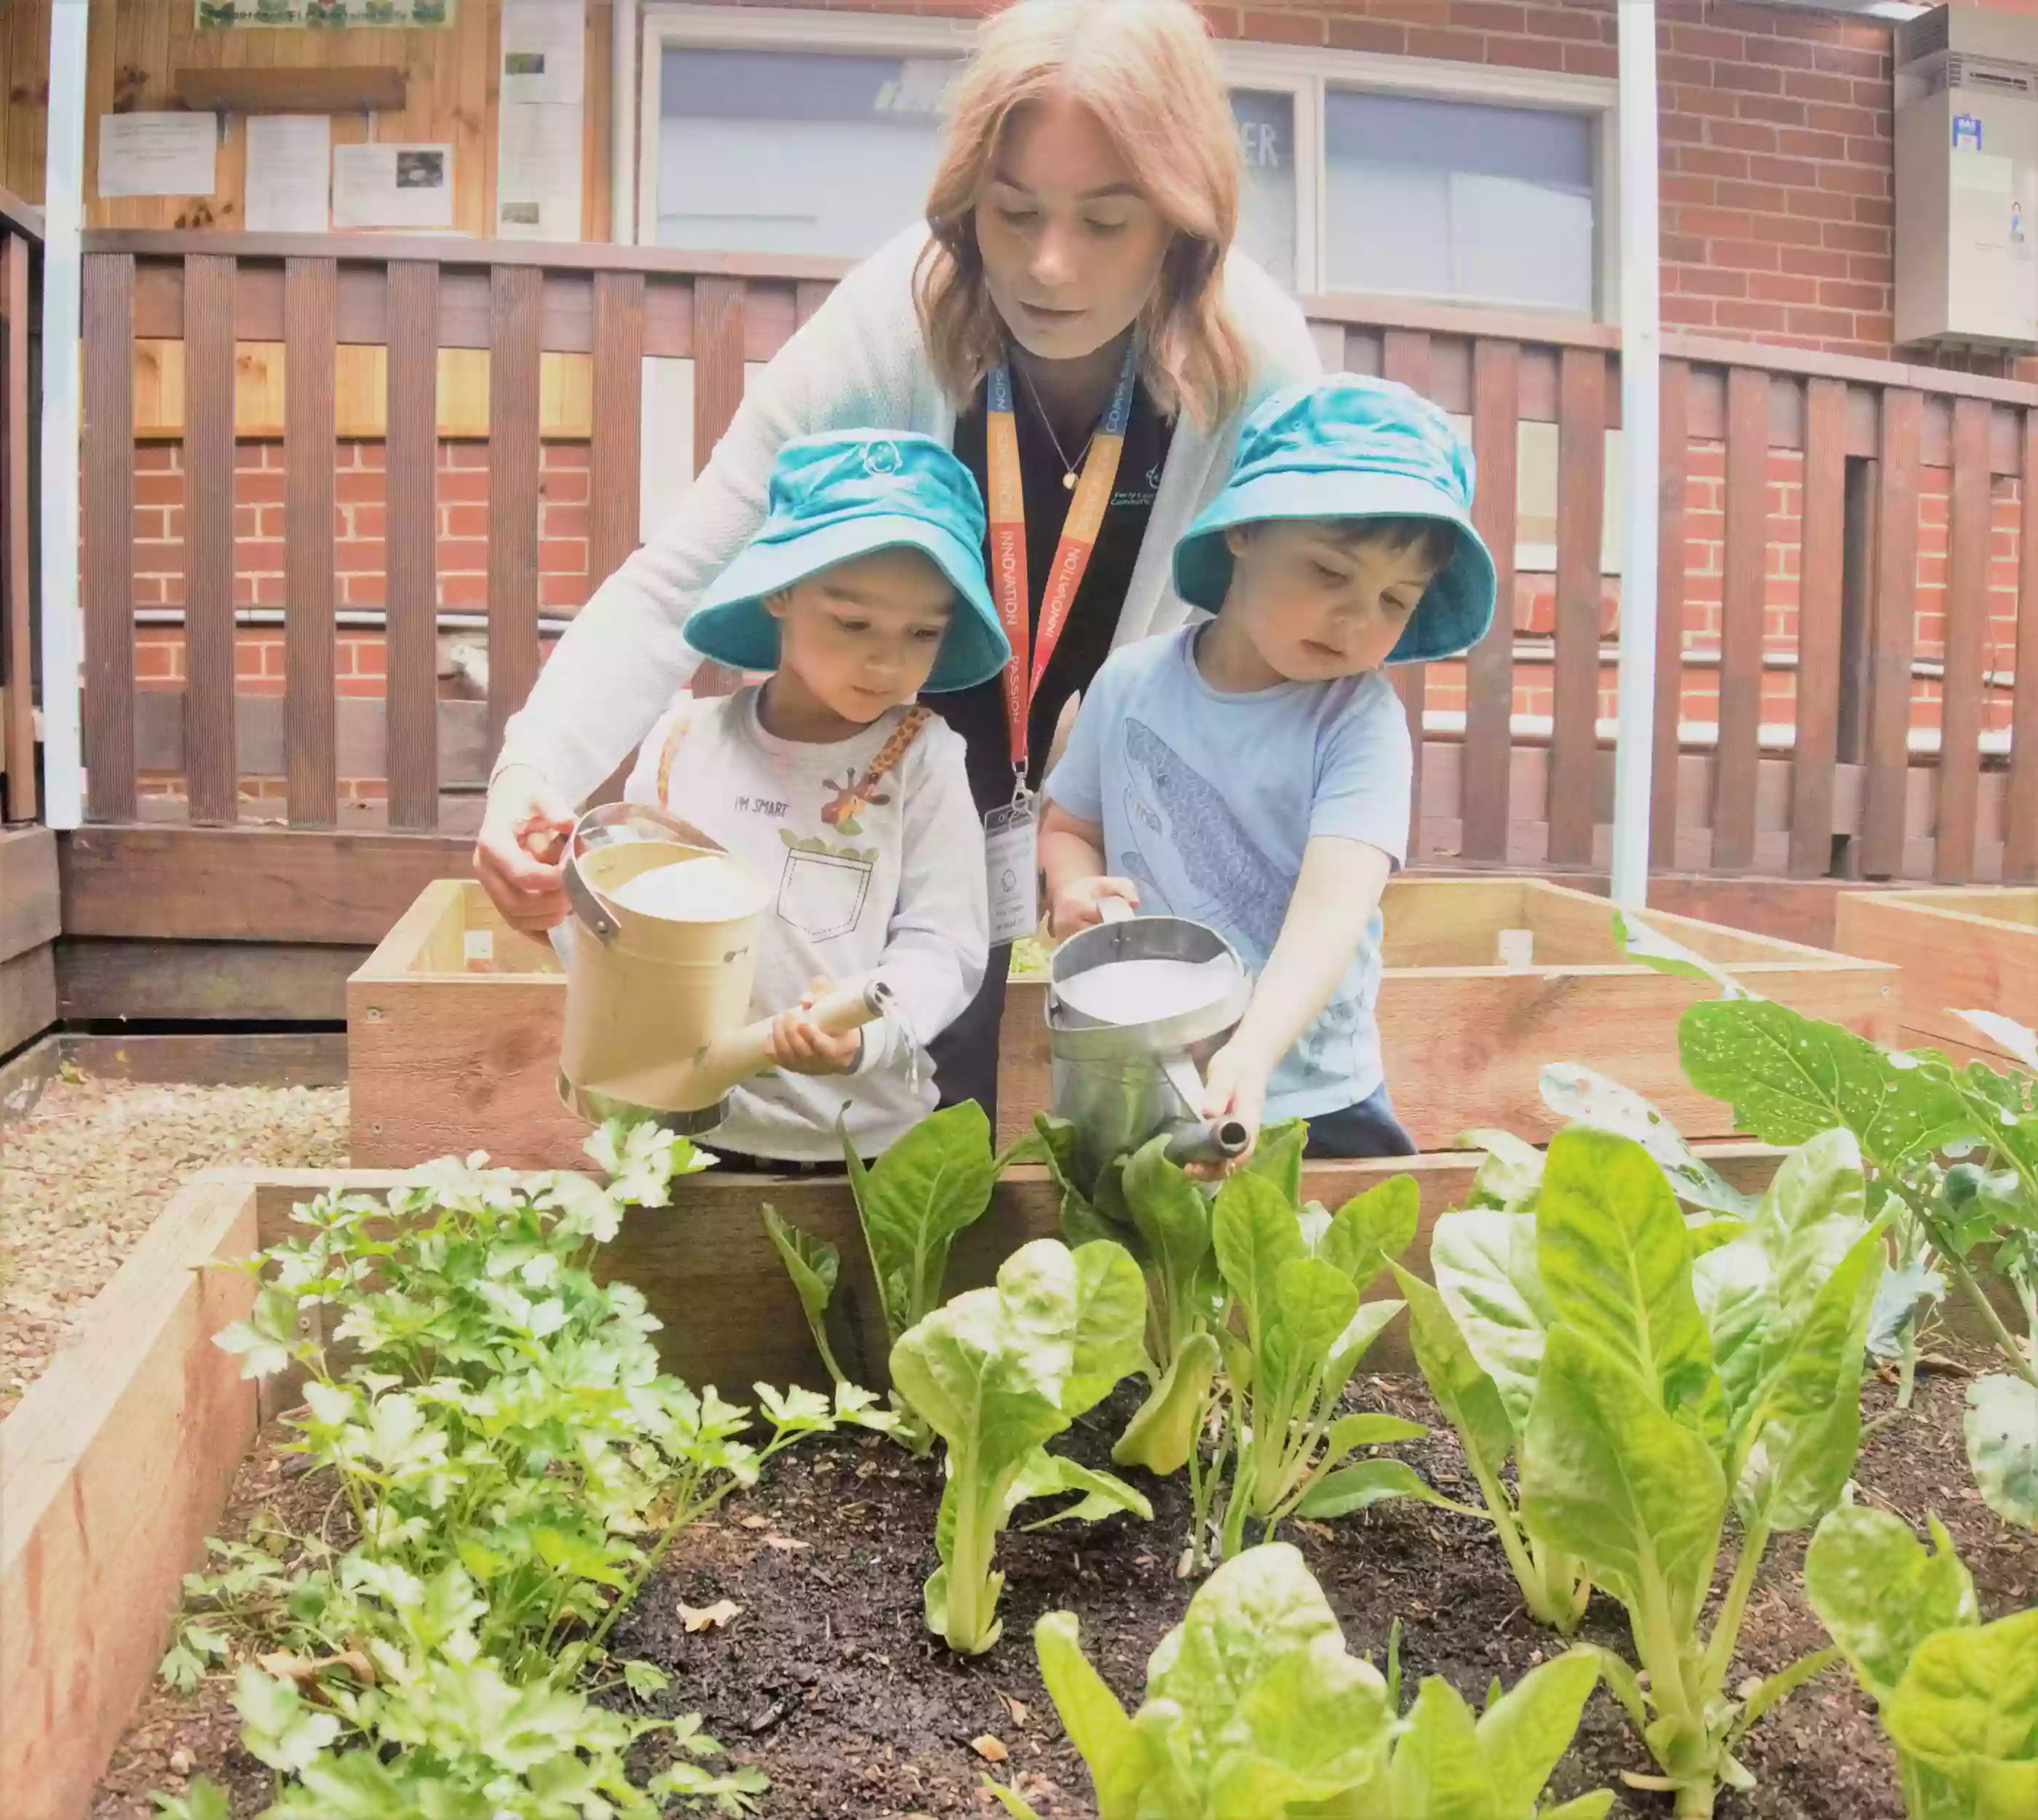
656	1005
1121	1084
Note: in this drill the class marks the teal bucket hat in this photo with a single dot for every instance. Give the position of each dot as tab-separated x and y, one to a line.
843	494
1349	447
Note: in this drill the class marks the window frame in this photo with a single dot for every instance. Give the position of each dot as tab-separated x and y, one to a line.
1305	74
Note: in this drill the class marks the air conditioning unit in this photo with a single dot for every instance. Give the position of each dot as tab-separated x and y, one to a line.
1967	178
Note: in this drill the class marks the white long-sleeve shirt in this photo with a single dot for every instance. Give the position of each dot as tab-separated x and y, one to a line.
860	363
887	888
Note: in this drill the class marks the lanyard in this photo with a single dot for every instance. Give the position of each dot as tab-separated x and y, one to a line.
1008	538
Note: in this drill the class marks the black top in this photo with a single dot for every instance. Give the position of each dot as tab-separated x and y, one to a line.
979	714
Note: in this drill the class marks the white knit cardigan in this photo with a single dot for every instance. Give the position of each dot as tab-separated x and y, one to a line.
859	363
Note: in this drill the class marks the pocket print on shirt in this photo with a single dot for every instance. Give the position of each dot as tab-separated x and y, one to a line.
822	896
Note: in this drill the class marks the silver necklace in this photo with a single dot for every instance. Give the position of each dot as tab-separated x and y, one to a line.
1069	469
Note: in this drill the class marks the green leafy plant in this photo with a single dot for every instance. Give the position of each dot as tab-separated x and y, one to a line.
1673	1384
997	1372
1958	1698
910	1204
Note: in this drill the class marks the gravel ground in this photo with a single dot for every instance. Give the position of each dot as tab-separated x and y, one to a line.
83	1175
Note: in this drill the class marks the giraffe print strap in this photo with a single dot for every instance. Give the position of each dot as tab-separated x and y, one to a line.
888	754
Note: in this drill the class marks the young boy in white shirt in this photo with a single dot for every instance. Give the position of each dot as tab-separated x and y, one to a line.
1252	772
863	587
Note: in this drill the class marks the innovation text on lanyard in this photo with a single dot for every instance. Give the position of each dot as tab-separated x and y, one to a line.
1008	538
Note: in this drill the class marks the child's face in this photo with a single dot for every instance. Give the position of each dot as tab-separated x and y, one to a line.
1318	600
864	635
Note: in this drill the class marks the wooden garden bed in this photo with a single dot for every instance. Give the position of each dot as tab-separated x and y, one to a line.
1973	950
116	1464
453	1023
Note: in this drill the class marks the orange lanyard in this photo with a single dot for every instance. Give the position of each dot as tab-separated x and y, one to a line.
1008	536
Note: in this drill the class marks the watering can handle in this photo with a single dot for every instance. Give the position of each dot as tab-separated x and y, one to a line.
1114	910
748	1050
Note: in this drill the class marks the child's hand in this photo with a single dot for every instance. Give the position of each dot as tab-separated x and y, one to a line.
800	1046
1080	903
1235	1088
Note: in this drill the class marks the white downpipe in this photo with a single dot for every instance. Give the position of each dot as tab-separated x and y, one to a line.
623	130
1640	409
62	627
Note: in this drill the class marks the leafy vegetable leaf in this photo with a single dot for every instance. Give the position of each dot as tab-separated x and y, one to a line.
2002	1428
1880	1592
1485	1268
1359	1487
1580	1094
935	1181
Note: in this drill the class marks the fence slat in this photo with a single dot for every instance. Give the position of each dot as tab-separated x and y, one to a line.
1741	619
1818	698
1482	793
718	313
1673	441
1966	646
19	731
514	300
809	295
411	518
2019	852
310	298
108	534
1406	360
212	781
1892	637
1580	509
617	456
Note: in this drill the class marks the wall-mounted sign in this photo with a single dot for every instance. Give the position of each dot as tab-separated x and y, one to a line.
384	14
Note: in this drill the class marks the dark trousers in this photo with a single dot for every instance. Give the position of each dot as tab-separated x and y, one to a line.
1368	1128
965	1055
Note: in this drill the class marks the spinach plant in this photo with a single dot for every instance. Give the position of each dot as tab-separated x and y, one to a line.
1674	1383
996	1373
1958	1698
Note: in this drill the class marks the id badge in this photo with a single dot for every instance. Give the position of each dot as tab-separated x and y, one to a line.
1011	866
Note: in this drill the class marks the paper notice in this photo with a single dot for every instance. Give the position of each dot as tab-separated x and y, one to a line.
537	172
290	173
544	43
157	154
392	186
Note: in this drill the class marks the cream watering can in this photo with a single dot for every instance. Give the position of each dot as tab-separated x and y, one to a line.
657	1006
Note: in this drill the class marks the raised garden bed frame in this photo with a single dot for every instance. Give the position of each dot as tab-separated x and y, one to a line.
1971	950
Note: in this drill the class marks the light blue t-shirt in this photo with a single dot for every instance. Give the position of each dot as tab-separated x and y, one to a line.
1206	801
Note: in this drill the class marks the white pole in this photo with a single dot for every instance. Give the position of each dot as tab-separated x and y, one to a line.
623	133
1640	402
62	629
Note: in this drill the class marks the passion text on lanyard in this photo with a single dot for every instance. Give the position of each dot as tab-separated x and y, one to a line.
1008	538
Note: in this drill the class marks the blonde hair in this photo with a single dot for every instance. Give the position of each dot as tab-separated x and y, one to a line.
1145	69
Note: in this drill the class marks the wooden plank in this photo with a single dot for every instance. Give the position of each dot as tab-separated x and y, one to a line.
89	1571
2020	854
233	982
1490	664
28	997
1740	619
1405	359
107	530
224	1059
211	781
1892	636
513	494
1970	950
1818	702
248	884
411	521
29	900
308	555
360	734
719	314
1580	508
615	457
18	728
1674	448
1966	648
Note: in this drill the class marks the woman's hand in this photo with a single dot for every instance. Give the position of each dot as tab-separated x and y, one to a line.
517	854
1080	903
801	1046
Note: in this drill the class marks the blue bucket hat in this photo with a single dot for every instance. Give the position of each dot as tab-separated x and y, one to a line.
1348	447
843	494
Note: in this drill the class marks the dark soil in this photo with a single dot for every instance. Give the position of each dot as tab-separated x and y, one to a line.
826	1678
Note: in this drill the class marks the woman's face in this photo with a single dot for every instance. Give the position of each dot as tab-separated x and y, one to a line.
1072	250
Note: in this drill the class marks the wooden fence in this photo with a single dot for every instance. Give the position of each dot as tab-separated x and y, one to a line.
21	284
1850	794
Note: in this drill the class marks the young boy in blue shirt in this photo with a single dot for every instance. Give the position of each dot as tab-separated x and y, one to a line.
1252	771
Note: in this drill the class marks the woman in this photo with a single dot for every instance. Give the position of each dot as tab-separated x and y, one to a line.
1076	270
